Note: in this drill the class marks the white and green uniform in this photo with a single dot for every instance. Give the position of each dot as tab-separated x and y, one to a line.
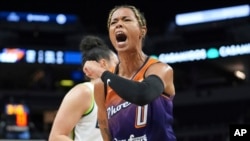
87	128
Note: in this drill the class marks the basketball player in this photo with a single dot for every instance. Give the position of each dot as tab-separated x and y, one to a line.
139	95
78	112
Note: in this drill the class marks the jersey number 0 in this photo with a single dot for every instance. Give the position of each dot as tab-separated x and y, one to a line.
141	116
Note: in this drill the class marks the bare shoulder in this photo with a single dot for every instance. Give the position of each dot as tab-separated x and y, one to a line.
83	88
80	92
166	73
160	69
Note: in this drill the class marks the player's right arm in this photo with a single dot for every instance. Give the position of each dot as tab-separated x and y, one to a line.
102	114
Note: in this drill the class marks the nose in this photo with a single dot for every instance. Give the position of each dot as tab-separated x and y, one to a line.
119	24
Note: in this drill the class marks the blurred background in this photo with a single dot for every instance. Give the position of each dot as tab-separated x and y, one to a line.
206	42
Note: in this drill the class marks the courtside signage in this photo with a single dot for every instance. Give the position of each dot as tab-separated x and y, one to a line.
60	57
204	54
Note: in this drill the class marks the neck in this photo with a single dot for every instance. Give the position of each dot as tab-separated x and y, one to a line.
130	63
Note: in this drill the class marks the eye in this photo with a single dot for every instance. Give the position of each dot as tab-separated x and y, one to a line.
112	23
127	19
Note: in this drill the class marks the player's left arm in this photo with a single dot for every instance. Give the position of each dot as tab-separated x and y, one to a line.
158	80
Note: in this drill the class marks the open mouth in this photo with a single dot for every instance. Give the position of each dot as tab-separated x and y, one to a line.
121	37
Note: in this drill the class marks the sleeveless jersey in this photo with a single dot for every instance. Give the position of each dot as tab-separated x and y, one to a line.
130	122
87	128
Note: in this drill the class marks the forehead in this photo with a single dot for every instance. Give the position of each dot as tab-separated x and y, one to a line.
123	12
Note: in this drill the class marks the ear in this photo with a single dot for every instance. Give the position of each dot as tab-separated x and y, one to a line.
103	63
143	31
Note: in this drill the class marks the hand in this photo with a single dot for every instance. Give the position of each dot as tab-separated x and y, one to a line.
93	69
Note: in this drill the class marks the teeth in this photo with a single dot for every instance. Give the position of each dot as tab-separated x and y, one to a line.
119	32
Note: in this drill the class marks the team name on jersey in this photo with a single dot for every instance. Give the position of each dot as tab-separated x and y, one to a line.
133	138
115	109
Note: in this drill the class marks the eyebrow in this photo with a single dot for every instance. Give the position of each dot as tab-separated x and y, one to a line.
123	17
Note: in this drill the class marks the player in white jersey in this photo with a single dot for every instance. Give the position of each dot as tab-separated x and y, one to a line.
86	122
76	118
